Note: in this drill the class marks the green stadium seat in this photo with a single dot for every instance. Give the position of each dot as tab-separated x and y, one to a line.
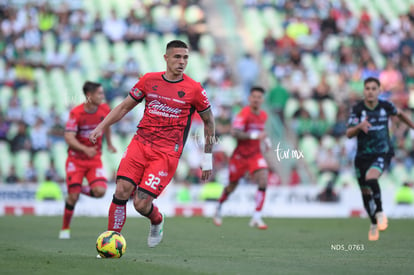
182	171
49	42
193	13
387	180
332	43
120	53
5	95
6	158
292	105
227	144
176	12
346	179
328	141
207	44
311	105
12	131
139	52
309	145
399	173
41	162
59	155
21	162
324	178
26	95
330	109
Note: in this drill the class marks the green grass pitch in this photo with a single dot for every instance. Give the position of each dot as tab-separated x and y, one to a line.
29	245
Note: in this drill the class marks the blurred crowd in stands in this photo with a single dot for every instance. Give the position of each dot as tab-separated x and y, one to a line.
45	37
315	59
319	60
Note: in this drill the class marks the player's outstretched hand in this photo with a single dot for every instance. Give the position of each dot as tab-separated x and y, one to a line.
93	136
111	148
365	125
206	166
90	151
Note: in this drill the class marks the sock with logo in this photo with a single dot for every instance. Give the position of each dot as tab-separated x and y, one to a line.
117	214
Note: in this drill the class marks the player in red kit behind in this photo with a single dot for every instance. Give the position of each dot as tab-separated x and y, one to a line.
249	130
84	157
151	159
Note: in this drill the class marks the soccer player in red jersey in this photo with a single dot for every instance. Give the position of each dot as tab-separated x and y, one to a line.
151	159
249	130
84	157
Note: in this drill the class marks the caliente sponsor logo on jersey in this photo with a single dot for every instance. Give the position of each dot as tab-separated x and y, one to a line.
162	109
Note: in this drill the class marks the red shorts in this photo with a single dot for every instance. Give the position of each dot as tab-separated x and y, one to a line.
239	165
77	169
149	169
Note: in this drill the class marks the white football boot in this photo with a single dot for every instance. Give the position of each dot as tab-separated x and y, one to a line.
156	233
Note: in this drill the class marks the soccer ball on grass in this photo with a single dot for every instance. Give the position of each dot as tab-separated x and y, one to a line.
111	244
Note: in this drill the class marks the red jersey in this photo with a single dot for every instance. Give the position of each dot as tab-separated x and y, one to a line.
247	121
83	123
169	109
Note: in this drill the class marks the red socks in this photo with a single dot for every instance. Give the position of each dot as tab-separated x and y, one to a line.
260	197
154	215
67	216
117	214
224	196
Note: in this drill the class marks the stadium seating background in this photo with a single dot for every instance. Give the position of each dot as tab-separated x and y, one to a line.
313	77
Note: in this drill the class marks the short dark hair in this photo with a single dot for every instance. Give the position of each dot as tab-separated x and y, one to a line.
176	44
90	86
258	89
372	79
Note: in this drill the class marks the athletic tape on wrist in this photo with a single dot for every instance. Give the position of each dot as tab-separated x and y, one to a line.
254	134
207	162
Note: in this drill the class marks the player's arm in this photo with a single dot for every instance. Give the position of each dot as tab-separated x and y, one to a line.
242	135
108	137
74	144
114	116
354	130
405	118
209	137
355	125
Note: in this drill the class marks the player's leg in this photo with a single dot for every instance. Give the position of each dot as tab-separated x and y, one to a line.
217	218
371	180
361	167
369	206
260	177
157	175
237	168
228	190
130	171
74	176
143	203
117	209
97	181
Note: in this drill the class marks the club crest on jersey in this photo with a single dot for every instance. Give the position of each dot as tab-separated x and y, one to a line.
137	92
155	87
181	94
383	112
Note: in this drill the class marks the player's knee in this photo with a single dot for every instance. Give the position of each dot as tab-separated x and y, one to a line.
123	189
366	191
72	198
98	192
